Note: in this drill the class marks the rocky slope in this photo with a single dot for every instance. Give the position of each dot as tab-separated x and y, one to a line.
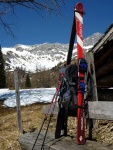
41	56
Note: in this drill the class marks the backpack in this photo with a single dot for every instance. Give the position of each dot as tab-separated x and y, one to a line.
70	82
69	79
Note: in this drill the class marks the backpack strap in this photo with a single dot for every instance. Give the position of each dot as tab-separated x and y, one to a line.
72	74
63	87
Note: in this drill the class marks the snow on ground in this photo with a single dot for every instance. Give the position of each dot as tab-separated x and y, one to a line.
27	96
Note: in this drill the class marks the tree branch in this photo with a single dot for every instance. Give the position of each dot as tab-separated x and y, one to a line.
36	5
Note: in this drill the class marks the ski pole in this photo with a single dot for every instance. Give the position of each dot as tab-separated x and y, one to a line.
49	121
45	118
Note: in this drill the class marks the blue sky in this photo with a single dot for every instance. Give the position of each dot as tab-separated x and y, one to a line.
31	28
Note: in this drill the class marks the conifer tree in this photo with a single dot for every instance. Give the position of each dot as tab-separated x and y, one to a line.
2	71
28	82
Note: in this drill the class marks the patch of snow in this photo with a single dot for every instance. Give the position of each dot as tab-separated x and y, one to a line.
27	96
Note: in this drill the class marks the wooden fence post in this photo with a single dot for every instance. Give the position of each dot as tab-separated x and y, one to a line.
19	120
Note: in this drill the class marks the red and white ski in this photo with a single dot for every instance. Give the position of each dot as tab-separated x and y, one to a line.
80	112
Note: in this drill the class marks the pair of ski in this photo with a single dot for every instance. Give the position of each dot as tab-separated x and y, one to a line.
77	30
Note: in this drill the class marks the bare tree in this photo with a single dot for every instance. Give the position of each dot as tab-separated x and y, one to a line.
9	6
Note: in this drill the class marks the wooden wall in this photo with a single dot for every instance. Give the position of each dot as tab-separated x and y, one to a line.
103	60
104	65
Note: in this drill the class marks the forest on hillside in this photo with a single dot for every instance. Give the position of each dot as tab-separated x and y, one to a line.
47	78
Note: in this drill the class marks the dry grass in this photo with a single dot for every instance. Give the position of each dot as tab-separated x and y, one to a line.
32	119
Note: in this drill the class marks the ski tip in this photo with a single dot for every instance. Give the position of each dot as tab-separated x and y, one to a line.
79	7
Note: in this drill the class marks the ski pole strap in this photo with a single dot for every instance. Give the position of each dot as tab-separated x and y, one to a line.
82	65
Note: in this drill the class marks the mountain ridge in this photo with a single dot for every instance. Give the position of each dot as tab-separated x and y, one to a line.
44	56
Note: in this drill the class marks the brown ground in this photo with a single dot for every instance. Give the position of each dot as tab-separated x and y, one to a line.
31	120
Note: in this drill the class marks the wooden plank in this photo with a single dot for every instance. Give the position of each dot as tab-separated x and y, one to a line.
106	80
64	143
106	68
91	68
103	40
104	55
101	110
105	94
27	141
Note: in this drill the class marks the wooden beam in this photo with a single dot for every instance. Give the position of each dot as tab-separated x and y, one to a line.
97	110
105	81
105	94
91	69
101	110
103	40
106	68
19	120
104	54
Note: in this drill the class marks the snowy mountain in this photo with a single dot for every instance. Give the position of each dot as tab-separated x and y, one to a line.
41	56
